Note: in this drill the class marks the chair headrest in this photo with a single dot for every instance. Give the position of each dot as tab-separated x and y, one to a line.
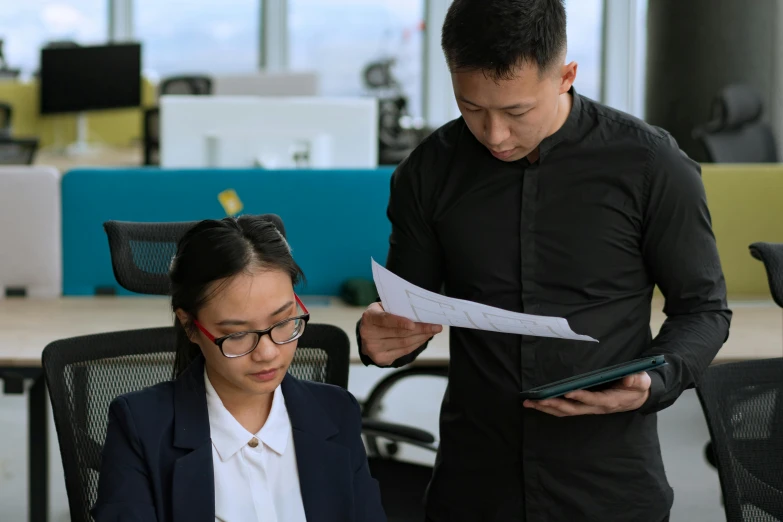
141	253
736	105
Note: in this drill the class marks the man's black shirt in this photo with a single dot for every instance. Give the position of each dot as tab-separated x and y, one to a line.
610	209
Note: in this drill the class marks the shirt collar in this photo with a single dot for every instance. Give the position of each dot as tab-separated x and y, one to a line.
568	128
228	435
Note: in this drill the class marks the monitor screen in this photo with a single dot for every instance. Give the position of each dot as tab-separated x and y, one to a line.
77	79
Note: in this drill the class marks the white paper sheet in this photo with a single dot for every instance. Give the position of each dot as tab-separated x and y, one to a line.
399	297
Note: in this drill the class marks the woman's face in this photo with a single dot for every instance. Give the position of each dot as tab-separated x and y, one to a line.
249	301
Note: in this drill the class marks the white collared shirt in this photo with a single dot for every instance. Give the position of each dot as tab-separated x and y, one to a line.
258	484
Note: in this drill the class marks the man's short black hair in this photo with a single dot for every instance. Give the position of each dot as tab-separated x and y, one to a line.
497	35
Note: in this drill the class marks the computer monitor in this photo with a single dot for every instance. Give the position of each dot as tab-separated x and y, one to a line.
79	79
268	132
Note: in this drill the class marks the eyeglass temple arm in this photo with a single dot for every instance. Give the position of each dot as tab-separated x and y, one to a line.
301	304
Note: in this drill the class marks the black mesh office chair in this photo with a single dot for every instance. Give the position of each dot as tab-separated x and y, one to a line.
151	136
743	404
198	85
6	115
141	254
771	254
15	151
736	132
84	374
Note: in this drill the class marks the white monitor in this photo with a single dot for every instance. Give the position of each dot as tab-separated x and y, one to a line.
266	84
252	131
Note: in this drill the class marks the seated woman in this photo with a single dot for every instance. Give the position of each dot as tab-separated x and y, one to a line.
234	438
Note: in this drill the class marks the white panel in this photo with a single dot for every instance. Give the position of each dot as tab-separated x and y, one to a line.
267	84
234	131
30	232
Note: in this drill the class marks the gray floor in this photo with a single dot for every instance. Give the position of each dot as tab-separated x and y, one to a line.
682	431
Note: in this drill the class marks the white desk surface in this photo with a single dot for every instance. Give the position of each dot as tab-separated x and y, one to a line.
28	325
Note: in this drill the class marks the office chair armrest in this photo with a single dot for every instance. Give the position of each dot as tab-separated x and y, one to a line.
397	432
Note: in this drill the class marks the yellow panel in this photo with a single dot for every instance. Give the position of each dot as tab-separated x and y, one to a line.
23	97
746	203
115	127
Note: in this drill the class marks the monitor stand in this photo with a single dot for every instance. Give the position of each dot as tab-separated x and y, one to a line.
81	147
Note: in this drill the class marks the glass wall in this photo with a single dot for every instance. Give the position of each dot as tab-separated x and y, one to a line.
27	25
585	34
198	36
339	39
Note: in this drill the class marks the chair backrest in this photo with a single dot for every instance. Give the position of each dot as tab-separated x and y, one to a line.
736	132
152	136
141	253
193	85
771	254
84	374
17	151
743	404
6	115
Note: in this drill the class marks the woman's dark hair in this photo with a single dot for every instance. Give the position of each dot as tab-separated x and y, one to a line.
495	36
219	249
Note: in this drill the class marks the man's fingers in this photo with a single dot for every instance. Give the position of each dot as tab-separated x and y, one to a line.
562	407
396	326
638	381
387	320
395	343
386	356
600	399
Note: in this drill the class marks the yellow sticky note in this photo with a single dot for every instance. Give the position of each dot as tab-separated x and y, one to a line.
230	201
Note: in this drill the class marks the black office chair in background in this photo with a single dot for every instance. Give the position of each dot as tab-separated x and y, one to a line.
151	136
6	117
743	404
194	85
141	254
737	132
771	254
18	151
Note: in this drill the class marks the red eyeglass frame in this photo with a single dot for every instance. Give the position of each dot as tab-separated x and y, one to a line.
219	340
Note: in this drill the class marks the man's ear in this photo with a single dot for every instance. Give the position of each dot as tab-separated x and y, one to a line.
567	76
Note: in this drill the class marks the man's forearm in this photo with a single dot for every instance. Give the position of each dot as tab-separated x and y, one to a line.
689	342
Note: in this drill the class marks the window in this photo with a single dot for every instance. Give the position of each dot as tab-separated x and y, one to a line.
338	39
198	36
27	25
585	36
640	60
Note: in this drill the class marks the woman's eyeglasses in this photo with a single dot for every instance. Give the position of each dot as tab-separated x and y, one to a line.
242	343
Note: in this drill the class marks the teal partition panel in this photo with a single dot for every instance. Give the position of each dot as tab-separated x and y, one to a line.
335	219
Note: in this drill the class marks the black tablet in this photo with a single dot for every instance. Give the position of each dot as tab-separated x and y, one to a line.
594	378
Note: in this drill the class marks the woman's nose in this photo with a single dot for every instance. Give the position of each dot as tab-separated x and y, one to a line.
266	350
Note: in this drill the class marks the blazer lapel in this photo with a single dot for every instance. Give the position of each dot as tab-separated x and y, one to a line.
193	482
325	474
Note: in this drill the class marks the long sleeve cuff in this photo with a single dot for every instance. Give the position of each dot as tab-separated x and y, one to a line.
657	391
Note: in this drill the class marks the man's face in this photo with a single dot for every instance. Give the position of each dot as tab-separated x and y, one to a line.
512	117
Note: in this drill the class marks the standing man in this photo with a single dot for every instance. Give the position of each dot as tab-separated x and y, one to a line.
538	200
